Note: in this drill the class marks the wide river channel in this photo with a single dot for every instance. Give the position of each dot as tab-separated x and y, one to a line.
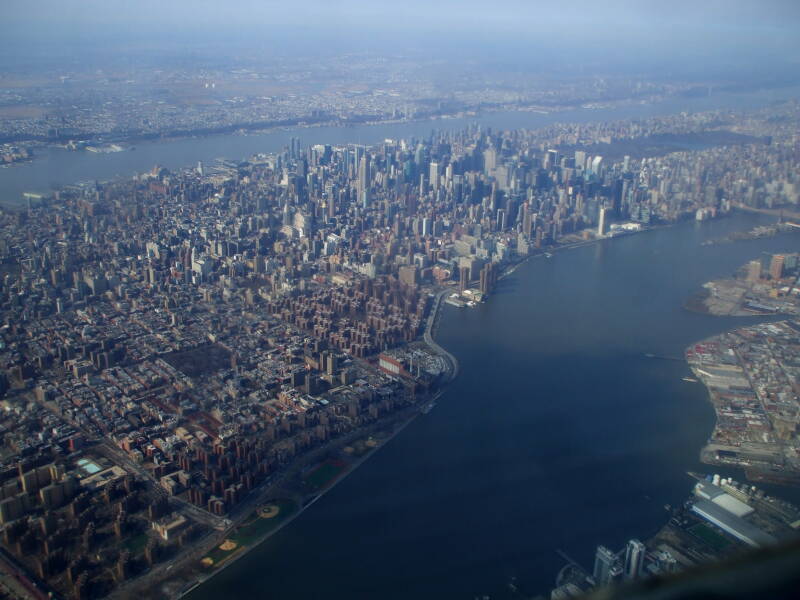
558	434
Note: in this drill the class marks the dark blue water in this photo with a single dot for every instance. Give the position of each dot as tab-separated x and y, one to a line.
557	434
54	167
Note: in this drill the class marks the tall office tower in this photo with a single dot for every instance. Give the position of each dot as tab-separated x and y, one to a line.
602	221
580	160
604	562
596	163
527	223
626	201
364	181
488	278
458	188
434	175
626	164
489	160
776	266
363	173
426	226
634	559
463	280
501	219
551	159
419	155
754	270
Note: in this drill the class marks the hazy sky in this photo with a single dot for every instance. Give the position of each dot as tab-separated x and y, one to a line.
766	30
511	15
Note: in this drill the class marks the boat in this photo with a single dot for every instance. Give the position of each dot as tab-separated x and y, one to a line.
689	379
548	255
427	408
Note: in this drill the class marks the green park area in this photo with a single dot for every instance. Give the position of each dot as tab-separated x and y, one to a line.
709	536
263	520
322	476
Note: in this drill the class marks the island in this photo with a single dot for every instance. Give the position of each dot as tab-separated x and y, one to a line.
192	357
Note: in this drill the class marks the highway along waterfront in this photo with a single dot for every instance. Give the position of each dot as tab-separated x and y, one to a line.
559	433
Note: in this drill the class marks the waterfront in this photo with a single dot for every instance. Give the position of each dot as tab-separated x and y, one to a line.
124	236
54	167
558	434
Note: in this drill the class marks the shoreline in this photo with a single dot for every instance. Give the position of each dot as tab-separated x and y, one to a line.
431	328
304	122
471	114
398	426
257	128
215	537
345	473
751	468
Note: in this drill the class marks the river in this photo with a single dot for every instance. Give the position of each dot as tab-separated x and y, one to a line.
53	167
558	434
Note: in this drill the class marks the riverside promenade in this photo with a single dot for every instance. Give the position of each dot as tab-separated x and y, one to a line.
430	327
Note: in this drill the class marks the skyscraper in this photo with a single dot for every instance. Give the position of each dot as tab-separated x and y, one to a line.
551	159
463	280
363	181
580	160
501	219
604	562
776	266
634	559
488	278
434	175
602	221
489	160
754	270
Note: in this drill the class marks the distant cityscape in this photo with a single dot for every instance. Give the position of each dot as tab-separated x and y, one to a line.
125	102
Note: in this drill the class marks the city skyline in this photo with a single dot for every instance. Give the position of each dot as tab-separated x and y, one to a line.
501	275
